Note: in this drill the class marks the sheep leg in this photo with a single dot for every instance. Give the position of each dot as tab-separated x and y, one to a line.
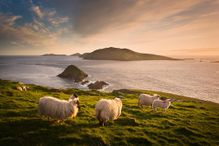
154	109
101	123
104	123
60	121
139	104
164	110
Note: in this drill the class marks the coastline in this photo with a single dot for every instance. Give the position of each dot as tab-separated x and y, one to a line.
103	90
192	79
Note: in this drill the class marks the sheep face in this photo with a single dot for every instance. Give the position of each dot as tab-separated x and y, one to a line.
75	102
172	99
73	96
156	96
118	99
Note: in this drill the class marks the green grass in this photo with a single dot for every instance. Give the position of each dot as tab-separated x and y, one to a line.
189	122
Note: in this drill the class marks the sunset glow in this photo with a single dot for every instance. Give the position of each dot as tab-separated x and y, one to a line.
174	28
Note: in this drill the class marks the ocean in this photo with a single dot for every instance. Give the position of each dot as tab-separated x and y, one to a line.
185	77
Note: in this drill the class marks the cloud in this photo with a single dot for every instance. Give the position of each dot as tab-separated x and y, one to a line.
37	11
56	21
34	34
49	15
42	32
143	25
8	19
113	14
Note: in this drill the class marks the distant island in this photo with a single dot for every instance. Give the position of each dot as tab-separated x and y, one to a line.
113	53
76	54
188	59
54	54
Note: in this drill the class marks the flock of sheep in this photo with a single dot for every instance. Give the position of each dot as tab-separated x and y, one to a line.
105	109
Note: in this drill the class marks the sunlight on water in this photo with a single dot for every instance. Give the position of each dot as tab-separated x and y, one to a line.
189	78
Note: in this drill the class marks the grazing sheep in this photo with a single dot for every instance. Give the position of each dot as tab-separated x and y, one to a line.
22	87
59	109
19	88
146	100
165	104
108	109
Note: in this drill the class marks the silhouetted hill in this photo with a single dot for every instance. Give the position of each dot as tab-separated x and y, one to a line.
76	54
112	53
54	54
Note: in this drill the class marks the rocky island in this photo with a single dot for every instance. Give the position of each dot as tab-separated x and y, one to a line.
119	54
73	72
97	85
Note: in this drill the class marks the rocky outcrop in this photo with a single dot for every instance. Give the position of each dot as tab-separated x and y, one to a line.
84	82
73	72
97	85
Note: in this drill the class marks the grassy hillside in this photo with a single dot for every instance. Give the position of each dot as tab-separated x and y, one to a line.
112	53
189	122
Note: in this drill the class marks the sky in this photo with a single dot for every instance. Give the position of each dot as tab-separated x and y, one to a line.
164	27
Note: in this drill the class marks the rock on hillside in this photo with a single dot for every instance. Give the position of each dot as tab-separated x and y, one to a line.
73	72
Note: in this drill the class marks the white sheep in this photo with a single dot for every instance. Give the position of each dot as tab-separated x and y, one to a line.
165	104
57	108
21	86
146	99
108	109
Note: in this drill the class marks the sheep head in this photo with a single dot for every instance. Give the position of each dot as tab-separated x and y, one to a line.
73	96
118	99
156	96
76	102
171	99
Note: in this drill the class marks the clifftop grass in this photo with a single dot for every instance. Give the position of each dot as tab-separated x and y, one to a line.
189	122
